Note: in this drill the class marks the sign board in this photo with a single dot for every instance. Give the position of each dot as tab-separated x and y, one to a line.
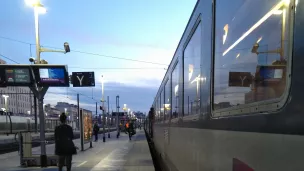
83	79
240	79
271	72
87	125
120	113
15	75
27	75
51	75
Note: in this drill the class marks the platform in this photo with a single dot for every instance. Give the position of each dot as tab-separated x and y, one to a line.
113	155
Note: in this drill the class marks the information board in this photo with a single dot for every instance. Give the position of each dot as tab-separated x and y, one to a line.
83	79
17	75
271	73
87	125
51	75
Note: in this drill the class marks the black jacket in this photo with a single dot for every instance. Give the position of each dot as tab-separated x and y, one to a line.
64	140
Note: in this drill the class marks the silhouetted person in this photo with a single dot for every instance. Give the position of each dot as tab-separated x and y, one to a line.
96	130
64	146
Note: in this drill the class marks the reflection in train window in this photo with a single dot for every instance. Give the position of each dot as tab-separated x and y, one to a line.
157	111
192	60
174	89
250	51
167	105
162	105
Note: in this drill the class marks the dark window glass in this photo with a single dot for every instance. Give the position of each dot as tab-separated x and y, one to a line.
192	60
174	88
167	102
162	105
250	51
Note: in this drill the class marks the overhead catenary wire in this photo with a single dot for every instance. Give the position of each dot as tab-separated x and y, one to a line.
117	68
9	59
88	53
97	68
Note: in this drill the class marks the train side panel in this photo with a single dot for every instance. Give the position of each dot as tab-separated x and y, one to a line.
267	136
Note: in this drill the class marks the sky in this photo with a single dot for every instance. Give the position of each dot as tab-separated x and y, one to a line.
105	29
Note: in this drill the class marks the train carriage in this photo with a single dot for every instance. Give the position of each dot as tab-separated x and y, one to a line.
232	96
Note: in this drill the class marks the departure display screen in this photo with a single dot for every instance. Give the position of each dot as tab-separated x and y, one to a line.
17	75
52	75
271	73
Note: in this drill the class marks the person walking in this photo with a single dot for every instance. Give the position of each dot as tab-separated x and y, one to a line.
64	145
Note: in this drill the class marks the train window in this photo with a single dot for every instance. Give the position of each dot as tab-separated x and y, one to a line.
157	103
162	95
192	60
174	91
167	104
251	51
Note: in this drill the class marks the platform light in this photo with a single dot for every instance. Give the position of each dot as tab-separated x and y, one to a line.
38	7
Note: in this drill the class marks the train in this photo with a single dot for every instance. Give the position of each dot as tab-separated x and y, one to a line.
232	97
14	124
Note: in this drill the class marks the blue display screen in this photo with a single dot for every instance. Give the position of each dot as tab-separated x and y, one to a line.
271	73
52	75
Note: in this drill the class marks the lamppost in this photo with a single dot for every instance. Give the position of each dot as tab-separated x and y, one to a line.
117	116
125	109
37	90
103	110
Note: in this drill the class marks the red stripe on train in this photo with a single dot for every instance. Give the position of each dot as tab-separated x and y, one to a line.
240	166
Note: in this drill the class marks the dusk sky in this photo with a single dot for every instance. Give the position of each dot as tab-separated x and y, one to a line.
136	30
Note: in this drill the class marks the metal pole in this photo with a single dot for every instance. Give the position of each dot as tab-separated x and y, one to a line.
109	136
41	93
35	110
96	111
78	114
43	157
37	34
103	112
81	130
117	115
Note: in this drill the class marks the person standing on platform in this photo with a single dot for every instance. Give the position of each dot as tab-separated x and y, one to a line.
64	145
96	130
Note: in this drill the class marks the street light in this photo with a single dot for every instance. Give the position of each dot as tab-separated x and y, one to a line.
103	110
40	9
37	5
40	91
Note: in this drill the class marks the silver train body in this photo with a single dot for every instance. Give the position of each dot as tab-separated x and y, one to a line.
232	98
18	123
